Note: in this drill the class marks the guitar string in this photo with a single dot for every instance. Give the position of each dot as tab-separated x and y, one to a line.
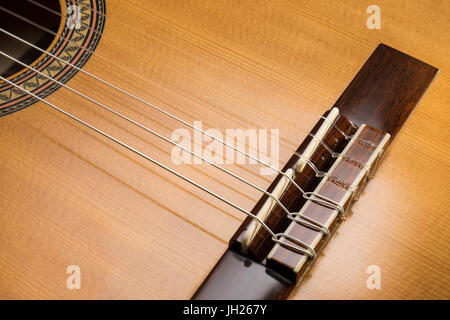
326	201
288	213
150	131
45	29
276	237
307	195
136	98
318	198
105	59
347	137
56	13
131	28
273	235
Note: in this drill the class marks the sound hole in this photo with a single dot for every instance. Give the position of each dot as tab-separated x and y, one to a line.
19	50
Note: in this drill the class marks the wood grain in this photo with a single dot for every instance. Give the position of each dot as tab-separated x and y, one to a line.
71	197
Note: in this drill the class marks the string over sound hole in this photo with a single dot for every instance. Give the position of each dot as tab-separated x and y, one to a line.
26	31
51	37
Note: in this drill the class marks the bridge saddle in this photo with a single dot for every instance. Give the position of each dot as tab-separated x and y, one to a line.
330	169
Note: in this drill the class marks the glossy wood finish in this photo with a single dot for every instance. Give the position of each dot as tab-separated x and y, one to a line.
365	150
70	197
390	88
237	277
381	78
292	198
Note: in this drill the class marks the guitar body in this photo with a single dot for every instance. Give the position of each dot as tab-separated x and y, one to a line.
71	197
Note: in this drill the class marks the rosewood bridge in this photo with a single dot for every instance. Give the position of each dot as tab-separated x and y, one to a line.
320	182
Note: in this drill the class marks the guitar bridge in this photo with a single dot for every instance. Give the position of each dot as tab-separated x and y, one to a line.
290	225
332	166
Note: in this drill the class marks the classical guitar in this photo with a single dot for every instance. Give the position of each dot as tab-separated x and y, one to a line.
223	150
